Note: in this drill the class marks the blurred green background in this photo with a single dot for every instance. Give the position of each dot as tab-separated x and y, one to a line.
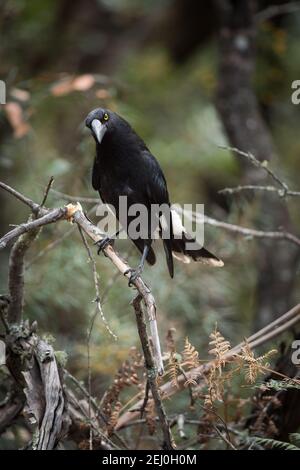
120	56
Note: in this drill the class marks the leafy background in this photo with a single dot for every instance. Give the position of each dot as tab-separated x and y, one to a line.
172	106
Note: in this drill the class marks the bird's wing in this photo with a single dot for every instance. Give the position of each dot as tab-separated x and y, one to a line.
96	172
157	193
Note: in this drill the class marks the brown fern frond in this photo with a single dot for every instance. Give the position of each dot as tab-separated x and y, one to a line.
129	374
190	355
114	416
215	382
219	347
191	382
173	368
254	366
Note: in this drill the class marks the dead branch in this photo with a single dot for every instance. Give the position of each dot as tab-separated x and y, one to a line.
16	275
276	10
247	232
253	187
263	165
95	234
283	191
151	373
74	212
32	363
43	386
33	206
49	217
97	413
47	189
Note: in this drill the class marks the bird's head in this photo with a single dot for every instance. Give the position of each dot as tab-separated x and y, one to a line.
101	121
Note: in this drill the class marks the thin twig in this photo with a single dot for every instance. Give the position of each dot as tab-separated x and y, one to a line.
68	197
50	217
224	438
253	187
49	247
97	288
54	244
276	10
212	411
247	232
48	187
89	335
98	413
262	165
96	429
33	205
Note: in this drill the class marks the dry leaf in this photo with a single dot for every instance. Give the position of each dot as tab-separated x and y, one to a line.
83	82
63	87
69	84
15	117
102	94
21	95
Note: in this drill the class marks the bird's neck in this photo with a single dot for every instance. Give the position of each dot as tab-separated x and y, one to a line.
114	150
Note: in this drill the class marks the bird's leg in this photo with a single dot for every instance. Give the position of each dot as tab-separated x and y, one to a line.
106	241
135	273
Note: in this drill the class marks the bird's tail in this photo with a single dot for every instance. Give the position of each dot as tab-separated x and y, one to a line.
185	254
185	247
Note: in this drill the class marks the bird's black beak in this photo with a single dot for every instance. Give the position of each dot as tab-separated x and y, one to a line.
98	129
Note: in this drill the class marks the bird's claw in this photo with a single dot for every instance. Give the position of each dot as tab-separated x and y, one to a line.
134	274
103	244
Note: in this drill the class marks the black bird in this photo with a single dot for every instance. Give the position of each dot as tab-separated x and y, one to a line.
124	166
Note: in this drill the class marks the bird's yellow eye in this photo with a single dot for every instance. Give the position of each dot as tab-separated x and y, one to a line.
105	117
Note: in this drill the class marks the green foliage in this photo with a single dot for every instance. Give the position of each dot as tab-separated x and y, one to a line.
273	444
172	108
280	385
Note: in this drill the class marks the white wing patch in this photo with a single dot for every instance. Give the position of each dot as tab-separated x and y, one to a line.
178	228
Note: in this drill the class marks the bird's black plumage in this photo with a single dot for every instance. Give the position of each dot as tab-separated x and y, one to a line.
124	166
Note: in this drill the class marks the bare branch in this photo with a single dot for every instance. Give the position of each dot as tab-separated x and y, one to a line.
247	232
53	244
253	187
92	400
224	438
33	205
254	161
95	234
151	374
75	212
49	218
276	10
16	275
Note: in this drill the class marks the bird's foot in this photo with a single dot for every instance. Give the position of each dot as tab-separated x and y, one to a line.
134	274
103	244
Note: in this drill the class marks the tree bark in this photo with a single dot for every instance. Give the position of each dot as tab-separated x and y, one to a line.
246	130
